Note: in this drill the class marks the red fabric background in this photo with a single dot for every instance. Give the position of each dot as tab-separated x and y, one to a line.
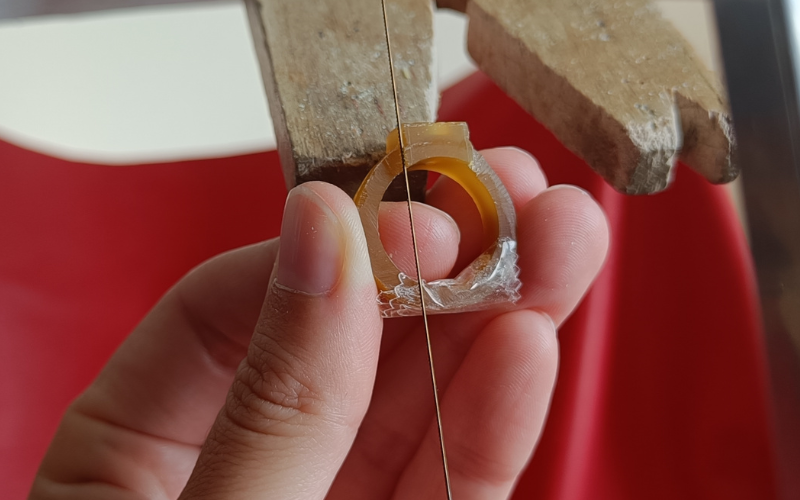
661	391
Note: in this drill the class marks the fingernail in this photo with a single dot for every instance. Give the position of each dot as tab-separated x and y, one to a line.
569	187
517	149
555	327
312	244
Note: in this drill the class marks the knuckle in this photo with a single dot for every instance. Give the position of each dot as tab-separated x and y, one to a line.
272	394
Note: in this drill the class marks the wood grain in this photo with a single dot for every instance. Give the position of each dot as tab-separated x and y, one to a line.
326	73
613	80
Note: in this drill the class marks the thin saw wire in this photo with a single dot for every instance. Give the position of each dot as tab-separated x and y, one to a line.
416	256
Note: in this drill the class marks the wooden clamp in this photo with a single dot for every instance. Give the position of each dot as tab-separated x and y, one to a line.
326	73
615	82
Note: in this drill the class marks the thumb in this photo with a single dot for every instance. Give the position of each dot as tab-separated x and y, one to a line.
299	396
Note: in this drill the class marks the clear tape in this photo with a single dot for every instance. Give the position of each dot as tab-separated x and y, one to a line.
485	283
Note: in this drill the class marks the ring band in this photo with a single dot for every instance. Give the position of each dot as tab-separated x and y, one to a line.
492	278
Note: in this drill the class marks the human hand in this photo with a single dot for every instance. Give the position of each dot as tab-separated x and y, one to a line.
325	399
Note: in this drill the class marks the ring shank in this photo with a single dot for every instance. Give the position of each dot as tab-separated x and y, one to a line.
493	276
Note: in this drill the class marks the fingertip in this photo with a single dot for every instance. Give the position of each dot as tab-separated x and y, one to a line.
583	202
336	199
520	172
563	242
574	209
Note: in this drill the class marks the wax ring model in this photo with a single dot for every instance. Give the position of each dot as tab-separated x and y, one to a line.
493	277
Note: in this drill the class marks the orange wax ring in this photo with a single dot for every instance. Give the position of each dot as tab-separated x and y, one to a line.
490	279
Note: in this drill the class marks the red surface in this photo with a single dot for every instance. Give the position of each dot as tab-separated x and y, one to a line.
661	391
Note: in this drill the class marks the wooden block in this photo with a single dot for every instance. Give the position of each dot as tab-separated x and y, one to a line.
613	80
459	5
326	72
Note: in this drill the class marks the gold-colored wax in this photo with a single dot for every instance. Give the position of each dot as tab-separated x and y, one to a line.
492	277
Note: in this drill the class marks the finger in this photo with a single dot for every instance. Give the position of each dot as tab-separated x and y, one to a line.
562	242
563	238
436	232
403	380
301	392
521	175
400	412
562	233
493	412
170	377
